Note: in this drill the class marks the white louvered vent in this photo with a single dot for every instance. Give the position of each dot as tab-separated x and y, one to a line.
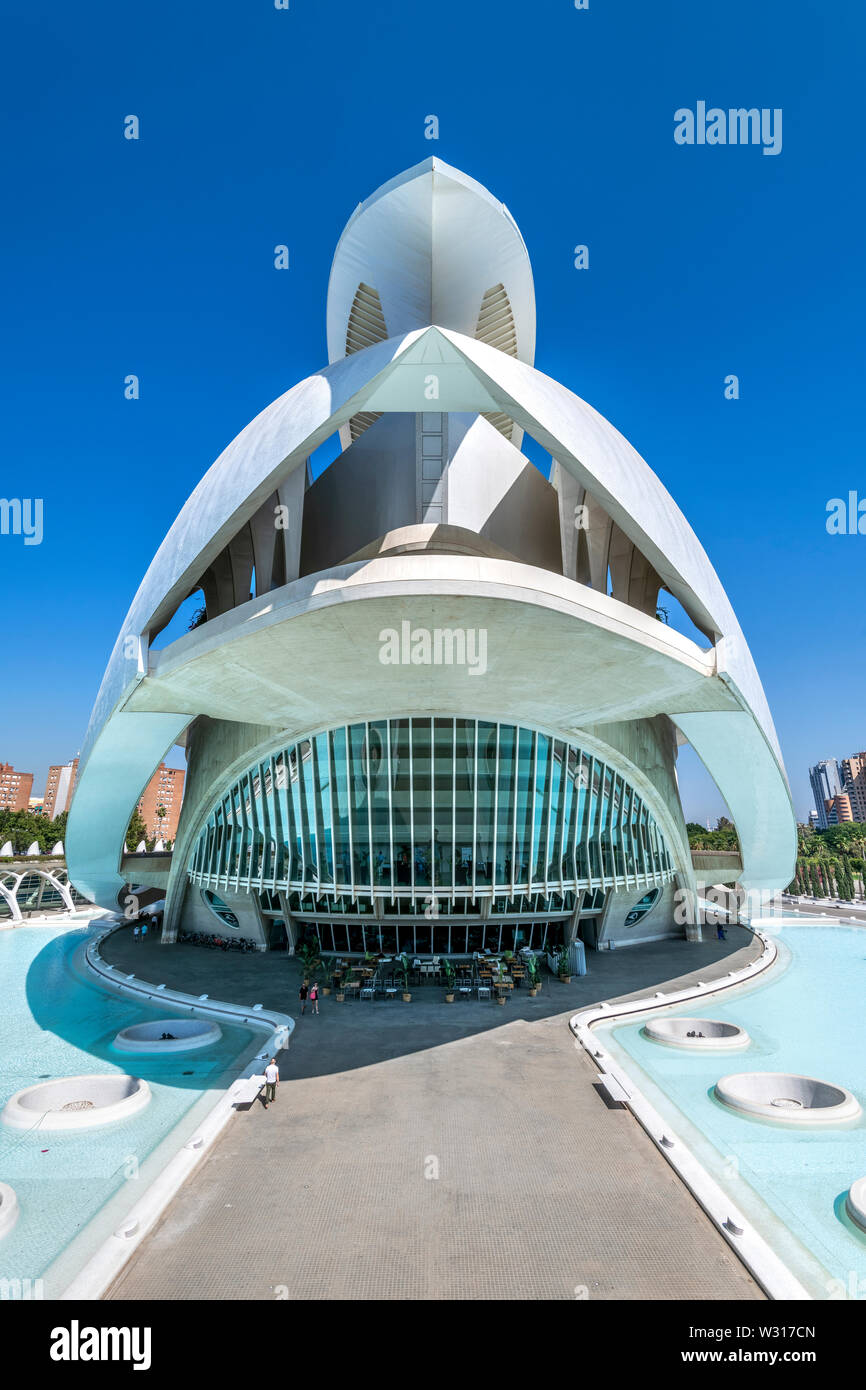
496	328
366	320
496	321
366	327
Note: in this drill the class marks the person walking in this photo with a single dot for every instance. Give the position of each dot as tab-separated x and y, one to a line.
302	995
135	935
272	1081
314	998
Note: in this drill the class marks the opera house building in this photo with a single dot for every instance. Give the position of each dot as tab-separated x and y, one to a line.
432	704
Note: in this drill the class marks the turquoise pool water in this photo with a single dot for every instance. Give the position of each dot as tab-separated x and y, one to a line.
809	1017
54	1023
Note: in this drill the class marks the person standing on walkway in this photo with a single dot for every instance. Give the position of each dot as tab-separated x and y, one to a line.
302	995
314	997
272	1081
135	935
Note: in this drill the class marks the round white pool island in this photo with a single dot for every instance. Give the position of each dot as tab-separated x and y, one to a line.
787	1098
855	1202
77	1102
703	1034
185	1035
8	1209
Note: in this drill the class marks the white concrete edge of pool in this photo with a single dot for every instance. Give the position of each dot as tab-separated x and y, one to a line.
8	1208
100	1271
53	919
760	1259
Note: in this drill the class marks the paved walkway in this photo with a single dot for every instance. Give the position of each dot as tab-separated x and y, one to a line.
433	1151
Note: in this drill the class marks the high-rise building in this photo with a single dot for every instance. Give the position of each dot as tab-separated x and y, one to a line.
854	784
838	810
15	788
164	792
826	783
59	788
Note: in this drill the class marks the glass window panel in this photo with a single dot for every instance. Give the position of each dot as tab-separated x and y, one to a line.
422	792
543	779
463	801
400	798
505	804
358	800
486	784
340	803
377	760
322	788
443	772
525	759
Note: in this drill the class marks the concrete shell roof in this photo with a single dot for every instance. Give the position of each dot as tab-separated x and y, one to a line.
431	242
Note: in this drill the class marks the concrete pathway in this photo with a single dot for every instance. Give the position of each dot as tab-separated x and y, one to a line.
433	1151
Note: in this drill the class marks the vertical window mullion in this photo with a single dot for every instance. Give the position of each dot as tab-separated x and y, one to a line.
350	810
475	809
530	867
292	874
548	802
242	814
274	819
495	815
304	817
332	803
264	827
392	870
411	812
434	877
515	781
453	808
563	799
231	841
587	820
215	849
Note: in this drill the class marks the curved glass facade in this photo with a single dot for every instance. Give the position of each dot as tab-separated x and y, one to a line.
423	808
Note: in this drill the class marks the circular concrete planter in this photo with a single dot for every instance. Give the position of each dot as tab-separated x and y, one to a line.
77	1102
717	1036
188	1033
786	1098
8	1209
855	1202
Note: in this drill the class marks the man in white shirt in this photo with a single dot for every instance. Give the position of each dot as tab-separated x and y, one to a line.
272	1081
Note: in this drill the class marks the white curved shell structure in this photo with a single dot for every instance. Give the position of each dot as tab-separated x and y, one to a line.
430	672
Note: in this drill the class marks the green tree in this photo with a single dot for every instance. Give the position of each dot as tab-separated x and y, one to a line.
136	831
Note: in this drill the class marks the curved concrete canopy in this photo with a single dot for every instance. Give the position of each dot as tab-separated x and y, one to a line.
739	748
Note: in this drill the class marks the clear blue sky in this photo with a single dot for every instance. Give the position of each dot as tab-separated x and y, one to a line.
261	126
